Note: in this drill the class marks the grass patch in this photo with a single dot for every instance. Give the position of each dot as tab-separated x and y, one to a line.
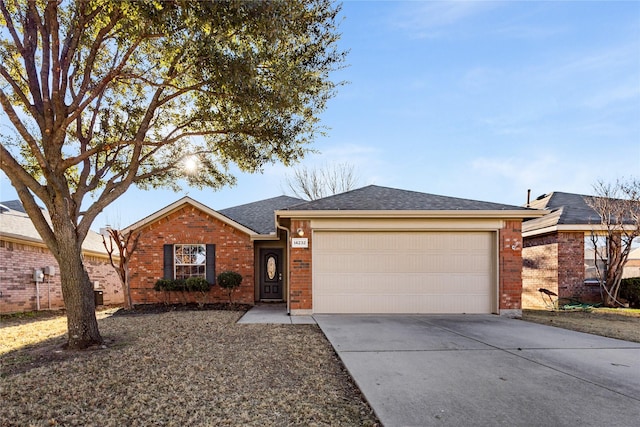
180	368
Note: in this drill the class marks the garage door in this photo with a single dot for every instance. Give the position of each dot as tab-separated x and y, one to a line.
403	272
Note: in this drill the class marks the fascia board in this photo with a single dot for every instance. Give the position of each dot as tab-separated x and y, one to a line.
567	228
40	244
501	214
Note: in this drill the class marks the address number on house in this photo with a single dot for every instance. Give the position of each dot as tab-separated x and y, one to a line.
299	242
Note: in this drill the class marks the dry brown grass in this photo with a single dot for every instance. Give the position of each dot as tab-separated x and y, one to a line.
622	324
178	368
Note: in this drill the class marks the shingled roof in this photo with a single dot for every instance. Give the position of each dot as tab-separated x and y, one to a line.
374	197
566	209
258	216
15	224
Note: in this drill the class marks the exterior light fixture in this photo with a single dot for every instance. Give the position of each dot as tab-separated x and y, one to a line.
300	232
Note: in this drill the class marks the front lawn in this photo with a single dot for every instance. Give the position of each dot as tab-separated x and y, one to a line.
176	368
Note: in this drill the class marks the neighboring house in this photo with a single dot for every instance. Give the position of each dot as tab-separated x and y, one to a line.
558	251
632	267
22	252
370	250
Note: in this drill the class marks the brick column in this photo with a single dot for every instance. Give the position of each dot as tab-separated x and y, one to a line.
300	293
510	269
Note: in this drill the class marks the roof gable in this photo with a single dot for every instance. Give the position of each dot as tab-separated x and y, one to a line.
376	198
179	204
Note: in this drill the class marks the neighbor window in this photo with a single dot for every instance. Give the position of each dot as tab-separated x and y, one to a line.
591	261
189	261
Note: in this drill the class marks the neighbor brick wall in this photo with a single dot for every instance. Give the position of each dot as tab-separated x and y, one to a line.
539	270
556	262
571	269
510	266
17	263
300	290
189	225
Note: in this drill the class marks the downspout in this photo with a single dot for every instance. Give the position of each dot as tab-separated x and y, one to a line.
286	230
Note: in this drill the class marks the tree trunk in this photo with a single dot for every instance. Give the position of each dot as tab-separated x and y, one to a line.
125	288
77	291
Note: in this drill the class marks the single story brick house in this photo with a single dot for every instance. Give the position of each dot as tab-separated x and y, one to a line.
558	252
22	252
370	250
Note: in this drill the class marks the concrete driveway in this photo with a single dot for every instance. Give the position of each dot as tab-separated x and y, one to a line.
484	370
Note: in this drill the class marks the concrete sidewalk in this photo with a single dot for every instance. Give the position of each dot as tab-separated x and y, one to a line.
274	313
484	370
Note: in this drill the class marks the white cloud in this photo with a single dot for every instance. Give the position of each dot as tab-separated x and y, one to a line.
614	94
430	19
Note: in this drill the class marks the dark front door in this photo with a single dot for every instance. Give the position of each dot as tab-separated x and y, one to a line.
271	273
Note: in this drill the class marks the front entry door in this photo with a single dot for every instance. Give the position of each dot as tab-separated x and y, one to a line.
271	273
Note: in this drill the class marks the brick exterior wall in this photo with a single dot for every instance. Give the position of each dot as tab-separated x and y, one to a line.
300	271
556	262
19	292
189	225
510	268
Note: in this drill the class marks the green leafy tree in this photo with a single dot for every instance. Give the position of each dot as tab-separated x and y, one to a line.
102	95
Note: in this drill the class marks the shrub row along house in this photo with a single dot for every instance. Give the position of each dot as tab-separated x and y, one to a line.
29	274
370	250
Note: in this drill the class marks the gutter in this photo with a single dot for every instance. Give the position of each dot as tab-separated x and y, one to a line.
286	230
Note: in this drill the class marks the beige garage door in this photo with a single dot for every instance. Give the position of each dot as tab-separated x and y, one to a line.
403	272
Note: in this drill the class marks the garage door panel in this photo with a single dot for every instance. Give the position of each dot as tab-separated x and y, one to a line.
421	272
344	262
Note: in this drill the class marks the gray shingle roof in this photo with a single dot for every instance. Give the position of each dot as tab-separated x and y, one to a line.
374	197
566	209
15	205
15	223
259	216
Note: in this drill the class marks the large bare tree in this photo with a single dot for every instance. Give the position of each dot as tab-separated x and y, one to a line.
618	206
312	183
104	94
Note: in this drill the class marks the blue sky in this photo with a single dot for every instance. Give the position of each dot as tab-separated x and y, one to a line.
480	100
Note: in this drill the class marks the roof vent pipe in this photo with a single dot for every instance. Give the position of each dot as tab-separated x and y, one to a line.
528	197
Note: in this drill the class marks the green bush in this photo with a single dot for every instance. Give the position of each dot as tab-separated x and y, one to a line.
200	284
630	290
229	280
189	285
163	284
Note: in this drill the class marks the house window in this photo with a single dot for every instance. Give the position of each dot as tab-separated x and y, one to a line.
595	257
189	261
182	261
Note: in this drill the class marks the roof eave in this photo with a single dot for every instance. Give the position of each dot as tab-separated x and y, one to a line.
462	214
15	238
566	228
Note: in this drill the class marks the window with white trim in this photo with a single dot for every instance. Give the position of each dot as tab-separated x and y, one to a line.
595	257
189	261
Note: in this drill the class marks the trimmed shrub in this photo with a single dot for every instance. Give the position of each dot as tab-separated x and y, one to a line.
229	280
197	284
189	285
163	285
630	290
